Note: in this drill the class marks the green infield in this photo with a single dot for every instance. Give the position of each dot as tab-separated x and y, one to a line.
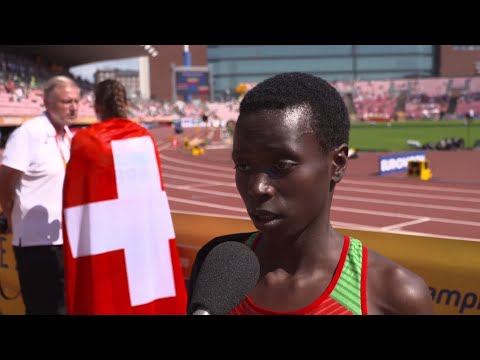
393	136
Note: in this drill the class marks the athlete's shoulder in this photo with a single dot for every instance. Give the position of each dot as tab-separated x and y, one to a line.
395	288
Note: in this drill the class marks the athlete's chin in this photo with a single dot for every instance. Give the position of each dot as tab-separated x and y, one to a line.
274	226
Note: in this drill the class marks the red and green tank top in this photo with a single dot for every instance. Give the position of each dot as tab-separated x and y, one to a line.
345	295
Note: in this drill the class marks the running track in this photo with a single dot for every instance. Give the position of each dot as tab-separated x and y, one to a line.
447	206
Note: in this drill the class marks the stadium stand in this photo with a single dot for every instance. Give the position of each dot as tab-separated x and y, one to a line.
378	100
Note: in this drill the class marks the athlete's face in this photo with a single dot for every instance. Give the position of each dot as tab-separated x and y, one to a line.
282	175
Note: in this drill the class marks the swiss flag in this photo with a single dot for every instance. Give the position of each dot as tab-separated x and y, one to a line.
119	242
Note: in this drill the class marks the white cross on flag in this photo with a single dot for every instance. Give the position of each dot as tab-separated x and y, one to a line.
120	250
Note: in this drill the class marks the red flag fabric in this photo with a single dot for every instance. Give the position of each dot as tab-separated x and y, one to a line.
119	242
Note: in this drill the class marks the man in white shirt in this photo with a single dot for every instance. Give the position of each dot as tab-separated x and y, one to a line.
32	174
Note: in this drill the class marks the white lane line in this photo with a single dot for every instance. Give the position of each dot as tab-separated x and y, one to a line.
345	181
351	226
203	181
404	216
199	172
415	233
339	189
190	187
163	146
343	225
204	191
201	203
402	203
336	196
413	187
233	195
408	194
337	208
197	164
218	147
211	214
404	224
373	212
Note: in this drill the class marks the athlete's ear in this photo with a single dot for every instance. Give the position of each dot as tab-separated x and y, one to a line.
339	162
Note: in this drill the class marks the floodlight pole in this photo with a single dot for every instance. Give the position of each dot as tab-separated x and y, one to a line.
187	61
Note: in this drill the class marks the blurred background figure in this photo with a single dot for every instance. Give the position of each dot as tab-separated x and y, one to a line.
32	175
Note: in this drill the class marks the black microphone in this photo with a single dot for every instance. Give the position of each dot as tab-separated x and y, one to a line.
229	272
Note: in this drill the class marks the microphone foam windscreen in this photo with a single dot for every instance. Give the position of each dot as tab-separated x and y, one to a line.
229	272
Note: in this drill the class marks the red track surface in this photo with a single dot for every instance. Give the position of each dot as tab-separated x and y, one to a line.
446	206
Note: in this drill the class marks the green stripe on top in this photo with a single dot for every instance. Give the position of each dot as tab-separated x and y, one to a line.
249	242
347	290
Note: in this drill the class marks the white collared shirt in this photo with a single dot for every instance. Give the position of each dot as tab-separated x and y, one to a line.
37	212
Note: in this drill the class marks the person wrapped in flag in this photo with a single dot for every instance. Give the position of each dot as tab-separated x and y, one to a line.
120	249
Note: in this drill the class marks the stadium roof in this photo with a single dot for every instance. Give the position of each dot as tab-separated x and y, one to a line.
73	55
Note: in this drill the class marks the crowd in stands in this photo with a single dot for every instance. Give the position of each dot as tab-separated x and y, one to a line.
427	98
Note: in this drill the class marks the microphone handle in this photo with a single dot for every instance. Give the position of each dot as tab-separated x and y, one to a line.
201	312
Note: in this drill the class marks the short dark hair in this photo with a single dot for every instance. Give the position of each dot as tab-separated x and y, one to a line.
329	120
